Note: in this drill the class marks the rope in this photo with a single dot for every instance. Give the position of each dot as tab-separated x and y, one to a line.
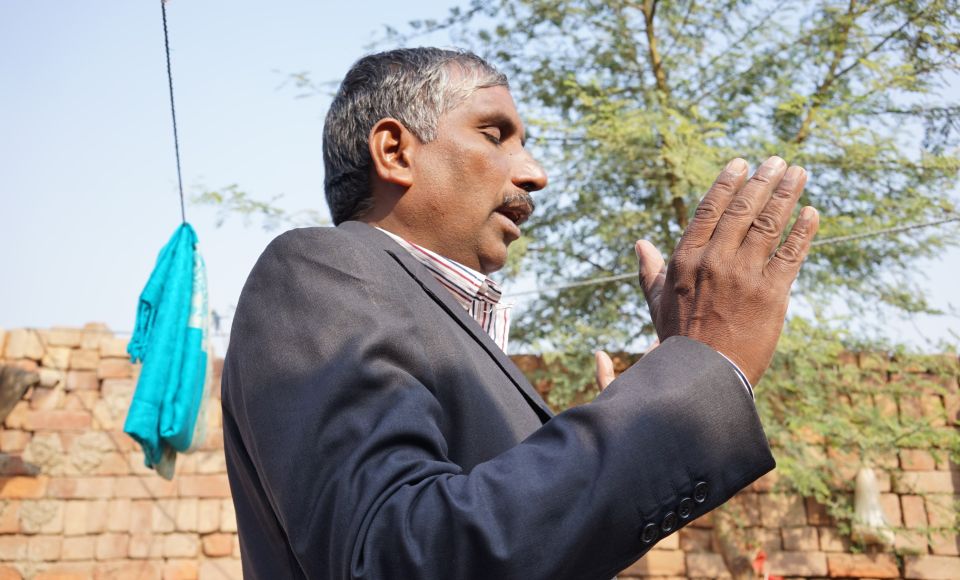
824	242
173	110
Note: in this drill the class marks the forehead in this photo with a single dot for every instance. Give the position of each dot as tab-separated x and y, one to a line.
491	104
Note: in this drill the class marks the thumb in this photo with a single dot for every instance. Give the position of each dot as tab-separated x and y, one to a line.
653	272
605	374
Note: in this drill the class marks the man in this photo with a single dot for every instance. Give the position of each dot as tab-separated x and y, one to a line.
374	427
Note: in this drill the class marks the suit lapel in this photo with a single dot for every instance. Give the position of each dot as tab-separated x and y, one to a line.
442	296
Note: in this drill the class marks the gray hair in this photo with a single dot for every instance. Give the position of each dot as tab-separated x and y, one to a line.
416	86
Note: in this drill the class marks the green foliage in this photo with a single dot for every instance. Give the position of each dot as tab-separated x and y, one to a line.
233	201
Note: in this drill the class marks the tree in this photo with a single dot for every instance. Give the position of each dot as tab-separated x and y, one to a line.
635	106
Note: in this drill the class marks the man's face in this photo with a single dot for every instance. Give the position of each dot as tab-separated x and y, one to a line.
470	184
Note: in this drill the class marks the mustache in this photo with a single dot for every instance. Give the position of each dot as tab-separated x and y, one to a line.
520	200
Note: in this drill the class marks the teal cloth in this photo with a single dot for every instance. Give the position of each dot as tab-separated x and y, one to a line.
170	339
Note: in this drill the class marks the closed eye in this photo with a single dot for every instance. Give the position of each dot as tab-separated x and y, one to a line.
492	137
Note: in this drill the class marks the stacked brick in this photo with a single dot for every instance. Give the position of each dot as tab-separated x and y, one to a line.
75	498
76	501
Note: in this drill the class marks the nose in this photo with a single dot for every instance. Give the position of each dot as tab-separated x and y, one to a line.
529	175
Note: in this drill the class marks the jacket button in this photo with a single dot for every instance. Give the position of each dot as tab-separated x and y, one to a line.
700	492
649	533
669	522
685	508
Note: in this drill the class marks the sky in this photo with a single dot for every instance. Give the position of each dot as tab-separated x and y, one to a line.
87	173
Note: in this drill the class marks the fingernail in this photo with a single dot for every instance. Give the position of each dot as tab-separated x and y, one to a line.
736	166
807	213
794	173
774	163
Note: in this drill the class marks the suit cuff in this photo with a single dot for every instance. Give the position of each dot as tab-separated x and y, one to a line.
743	377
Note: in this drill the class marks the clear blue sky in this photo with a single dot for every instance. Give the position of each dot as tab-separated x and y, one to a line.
88	181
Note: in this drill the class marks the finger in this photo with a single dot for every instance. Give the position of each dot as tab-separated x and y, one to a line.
764	233
653	273
748	202
711	207
791	254
605	374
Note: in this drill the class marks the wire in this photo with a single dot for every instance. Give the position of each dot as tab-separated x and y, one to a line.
824	242
173	110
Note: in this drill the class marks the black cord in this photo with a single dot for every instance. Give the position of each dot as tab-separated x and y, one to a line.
173	110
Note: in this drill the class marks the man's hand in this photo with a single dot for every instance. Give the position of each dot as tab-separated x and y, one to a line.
728	282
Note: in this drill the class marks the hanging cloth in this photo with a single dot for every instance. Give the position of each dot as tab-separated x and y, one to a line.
170	338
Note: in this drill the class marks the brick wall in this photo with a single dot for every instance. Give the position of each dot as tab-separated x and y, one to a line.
76	501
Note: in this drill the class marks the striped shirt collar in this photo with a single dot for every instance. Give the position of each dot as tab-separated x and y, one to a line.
477	294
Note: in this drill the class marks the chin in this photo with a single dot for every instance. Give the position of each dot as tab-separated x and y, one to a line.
493	261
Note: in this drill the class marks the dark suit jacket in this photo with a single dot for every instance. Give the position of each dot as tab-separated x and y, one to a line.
373	430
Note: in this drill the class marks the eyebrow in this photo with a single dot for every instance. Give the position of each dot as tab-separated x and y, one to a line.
497	118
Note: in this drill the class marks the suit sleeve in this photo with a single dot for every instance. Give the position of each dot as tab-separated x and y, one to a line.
347	437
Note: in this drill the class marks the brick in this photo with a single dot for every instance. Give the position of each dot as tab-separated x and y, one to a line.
13	547
208	515
862	565
80	487
50	378
13	440
911	542
218	545
655	563
187	515
204	486
916	460
78	548
181	570
145	545
778	510
945	543
210	462
9	516
932	567
145	487
64	337
695	540
84	359
164	515
130	570
23	487
82	381
801	539
141	516
122	388
44	548
180	546
114	368
706	565
119	513
42	517
226	569
927	482
914	513
112	346
743	510
817	514
23	343
228	517
17	416
671	542
57	420
112	546
112	463
890	503
798	564
67	571
56	358
46	399
832	541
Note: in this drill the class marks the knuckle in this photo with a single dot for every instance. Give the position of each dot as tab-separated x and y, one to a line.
784	192
766	225
790	251
725	184
740	206
708	209
760	178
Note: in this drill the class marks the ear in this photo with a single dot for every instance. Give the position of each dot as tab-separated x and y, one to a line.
391	148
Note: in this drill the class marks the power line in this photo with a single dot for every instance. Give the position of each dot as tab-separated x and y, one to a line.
817	243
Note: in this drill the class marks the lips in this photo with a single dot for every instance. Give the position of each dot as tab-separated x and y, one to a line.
517	207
